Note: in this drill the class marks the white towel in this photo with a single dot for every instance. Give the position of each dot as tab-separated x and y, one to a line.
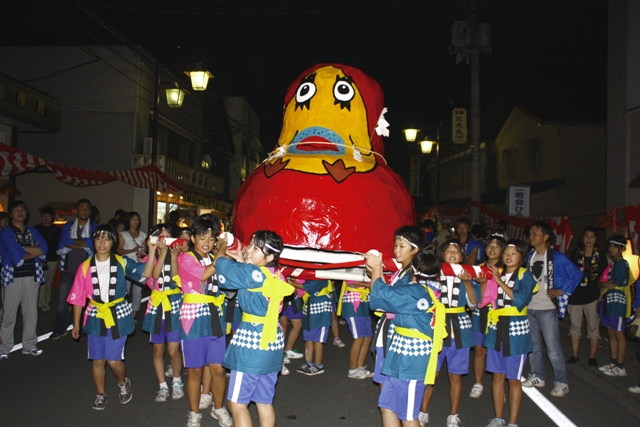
73	230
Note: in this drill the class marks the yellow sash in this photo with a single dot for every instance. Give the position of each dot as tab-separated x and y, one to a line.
361	290
104	311
454	310
204	299
493	316
162	297
274	290
325	291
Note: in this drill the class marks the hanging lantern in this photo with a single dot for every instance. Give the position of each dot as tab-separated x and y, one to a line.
411	134
175	97
426	146
199	79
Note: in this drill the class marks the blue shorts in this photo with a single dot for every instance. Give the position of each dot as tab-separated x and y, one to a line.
106	347
199	352
246	388
478	338
360	327
235	326
402	397
290	314
378	376
173	336
511	366
615	323
457	360
316	334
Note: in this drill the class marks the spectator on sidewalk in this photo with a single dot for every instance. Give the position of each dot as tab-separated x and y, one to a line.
51	234
23	250
473	252
74	247
95	214
190	217
557	278
117	222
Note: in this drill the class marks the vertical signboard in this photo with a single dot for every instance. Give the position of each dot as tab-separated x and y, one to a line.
414	175
459	121
519	200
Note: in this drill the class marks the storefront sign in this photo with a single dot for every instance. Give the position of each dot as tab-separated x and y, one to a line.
519	200
459	131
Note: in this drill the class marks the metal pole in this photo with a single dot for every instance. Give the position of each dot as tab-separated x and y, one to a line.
476	177
154	145
437	190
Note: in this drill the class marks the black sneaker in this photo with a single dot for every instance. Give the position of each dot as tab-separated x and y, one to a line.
314	370
573	360
593	362
56	336
303	369
100	403
125	391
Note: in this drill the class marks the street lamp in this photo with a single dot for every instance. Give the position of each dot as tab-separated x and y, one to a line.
411	134
426	146
175	96
199	79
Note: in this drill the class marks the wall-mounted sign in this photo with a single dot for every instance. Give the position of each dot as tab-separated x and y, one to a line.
519	200
459	131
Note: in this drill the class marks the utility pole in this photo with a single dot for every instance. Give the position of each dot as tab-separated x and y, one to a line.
476	174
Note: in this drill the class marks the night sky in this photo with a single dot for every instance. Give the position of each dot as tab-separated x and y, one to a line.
545	52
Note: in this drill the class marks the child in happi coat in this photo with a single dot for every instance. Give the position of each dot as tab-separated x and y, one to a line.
508	335
406	243
616	305
100	285
411	360
162	319
455	294
493	250
353	306
255	352
202	319
316	320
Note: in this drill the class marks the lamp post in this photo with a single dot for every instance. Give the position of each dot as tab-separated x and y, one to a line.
426	146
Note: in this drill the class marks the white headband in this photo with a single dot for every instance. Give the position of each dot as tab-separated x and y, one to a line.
428	276
272	248
412	244
624	245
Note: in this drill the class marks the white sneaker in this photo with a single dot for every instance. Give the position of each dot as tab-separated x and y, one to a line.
284	370
616	371
635	389
423	419
163	395
360	373
169	371
453	421
607	367
560	389
476	390
338	342
497	422
178	390
533	381
193	419
205	401
223	417
293	354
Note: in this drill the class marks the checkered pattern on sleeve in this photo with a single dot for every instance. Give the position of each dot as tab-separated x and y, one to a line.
7	275
251	340
407	346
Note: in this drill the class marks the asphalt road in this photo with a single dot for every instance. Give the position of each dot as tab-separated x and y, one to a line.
56	389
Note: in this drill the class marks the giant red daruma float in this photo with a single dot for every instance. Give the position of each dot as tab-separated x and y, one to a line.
326	188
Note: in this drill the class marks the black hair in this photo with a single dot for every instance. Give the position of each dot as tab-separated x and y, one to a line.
411	234
427	223
462	220
618	240
128	217
270	243
111	234
191	214
4	215
502	224
156	230
478	231
47	210
200	228
95	213
521	247
83	200
444	245
15	204
595	232
119	212
174	216
501	242
546	230
426	266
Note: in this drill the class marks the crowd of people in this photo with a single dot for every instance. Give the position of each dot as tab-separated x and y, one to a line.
224	313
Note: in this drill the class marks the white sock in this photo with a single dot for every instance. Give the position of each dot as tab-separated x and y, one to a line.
177	380
164	385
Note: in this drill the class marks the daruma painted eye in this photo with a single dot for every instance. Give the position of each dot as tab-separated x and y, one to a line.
343	91
305	92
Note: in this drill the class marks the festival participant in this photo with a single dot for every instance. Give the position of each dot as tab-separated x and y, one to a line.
407	240
255	351
74	248
335	329
131	243
51	234
414	341
473	252
316	321
353	306
494	250
557	278
162	319
100	288
508	338
203	327
584	300
23	249
616	305
636	305
455	293
291	312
